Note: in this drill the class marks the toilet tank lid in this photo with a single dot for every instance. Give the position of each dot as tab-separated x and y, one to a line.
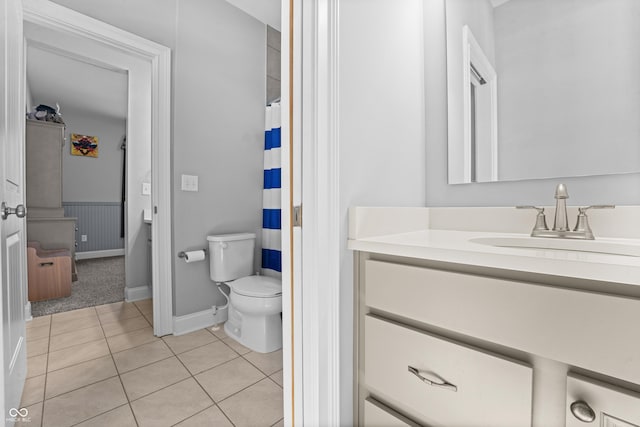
231	237
257	286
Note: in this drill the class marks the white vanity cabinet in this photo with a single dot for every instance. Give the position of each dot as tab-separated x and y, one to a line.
605	404
483	345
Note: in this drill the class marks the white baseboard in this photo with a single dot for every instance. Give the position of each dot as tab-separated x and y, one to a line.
199	320
138	293
27	312
100	254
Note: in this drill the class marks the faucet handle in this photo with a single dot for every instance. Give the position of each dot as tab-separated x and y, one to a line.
541	220
583	210
582	224
540	210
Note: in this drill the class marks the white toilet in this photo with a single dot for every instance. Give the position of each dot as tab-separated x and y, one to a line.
255	302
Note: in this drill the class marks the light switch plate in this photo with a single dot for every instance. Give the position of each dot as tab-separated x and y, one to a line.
189	183
146	188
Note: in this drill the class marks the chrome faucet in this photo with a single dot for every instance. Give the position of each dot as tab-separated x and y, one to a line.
560	229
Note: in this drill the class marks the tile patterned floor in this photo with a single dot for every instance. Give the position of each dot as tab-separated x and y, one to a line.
102	366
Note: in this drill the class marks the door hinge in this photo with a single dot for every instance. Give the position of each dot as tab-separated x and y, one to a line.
297	216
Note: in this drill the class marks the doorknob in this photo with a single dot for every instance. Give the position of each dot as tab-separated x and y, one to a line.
20	211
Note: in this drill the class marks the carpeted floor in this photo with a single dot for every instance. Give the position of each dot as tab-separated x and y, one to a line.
100	281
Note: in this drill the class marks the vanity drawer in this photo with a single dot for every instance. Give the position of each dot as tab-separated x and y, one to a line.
478	389
611	405
575	327
378	415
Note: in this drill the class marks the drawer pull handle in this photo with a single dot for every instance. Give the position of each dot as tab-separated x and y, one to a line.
45	264
445	385
582	411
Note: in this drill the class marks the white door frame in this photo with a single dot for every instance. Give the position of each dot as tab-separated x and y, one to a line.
55	17
316	279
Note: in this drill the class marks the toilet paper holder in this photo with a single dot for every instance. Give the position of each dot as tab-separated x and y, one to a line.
181	254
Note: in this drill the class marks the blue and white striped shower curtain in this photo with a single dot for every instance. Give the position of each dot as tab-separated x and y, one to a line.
271	201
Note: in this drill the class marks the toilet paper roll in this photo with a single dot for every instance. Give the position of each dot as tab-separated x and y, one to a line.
193	256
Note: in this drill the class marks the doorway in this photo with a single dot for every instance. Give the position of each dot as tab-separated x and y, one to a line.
147	131
81	106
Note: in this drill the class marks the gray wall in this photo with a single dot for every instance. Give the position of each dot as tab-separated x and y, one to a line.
219	69
218	135
616	189
381	129
87	179
273	64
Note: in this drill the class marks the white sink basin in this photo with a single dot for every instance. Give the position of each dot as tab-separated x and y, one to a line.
593	246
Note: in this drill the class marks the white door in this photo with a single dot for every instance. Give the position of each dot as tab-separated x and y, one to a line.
12	226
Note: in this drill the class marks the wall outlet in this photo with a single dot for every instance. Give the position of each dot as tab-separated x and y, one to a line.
146	188
83	238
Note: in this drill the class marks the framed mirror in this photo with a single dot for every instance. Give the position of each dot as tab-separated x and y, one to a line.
542	88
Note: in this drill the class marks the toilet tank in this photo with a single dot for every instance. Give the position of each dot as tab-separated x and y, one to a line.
231	256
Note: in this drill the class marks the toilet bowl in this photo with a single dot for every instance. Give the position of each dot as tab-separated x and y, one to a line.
255	302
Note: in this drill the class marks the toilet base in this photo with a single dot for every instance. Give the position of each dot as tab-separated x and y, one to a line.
262	334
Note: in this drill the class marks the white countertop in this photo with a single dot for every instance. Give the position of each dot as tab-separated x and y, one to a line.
458	247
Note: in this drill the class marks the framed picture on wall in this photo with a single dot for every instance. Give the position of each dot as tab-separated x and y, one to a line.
84	145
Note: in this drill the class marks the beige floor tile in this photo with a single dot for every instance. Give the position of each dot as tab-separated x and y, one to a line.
61	327
126	312
182	343
229	378
136	357
82	404
38	322
153	377
144	305
81	336
149	318
171	405
211	416
206	357
82	313
33	391
277	377
36	365
37	347
220	333
119	417
269	363
147	312
77	354
258	405
80	375
131	339
116	306
126	325
33	418
236	346
37	333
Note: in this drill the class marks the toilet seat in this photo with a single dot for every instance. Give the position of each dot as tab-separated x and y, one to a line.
257	286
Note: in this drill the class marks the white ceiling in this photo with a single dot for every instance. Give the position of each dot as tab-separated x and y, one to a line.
75	85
